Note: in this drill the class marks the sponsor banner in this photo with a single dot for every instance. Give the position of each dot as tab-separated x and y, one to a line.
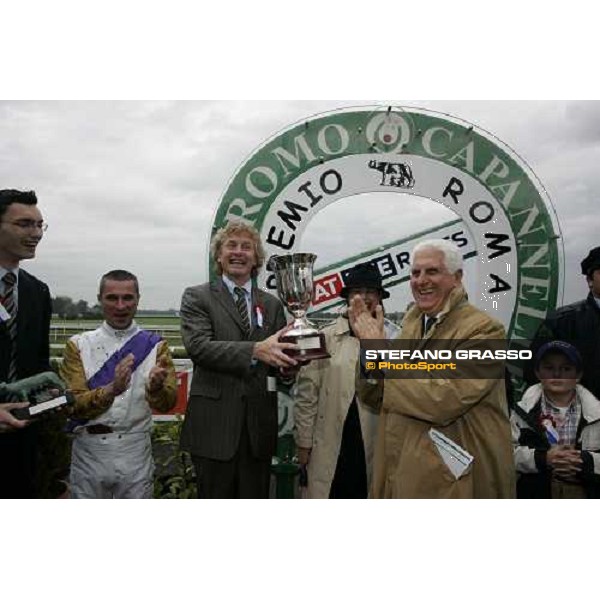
515	268
518	268
184	380
392	260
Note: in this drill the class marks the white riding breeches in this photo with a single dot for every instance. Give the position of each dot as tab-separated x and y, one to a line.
112	465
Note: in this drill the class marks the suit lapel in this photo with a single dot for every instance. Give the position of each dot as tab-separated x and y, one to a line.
223	297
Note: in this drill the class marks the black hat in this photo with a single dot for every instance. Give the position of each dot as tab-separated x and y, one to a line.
363	275
557	346
591	261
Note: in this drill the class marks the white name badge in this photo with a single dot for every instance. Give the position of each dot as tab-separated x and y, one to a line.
4	314
271	384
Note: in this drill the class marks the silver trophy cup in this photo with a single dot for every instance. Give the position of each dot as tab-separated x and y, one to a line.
294	276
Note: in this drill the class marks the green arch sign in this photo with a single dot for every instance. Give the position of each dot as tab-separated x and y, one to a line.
509	227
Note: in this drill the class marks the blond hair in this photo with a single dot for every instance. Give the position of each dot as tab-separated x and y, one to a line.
232	228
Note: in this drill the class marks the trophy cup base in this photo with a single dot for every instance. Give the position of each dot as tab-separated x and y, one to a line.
310	346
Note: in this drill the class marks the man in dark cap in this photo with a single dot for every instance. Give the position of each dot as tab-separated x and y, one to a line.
579	324
334	430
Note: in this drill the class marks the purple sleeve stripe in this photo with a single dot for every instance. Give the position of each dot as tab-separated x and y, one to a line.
140	345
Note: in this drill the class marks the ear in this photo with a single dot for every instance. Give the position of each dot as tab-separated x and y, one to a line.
459	275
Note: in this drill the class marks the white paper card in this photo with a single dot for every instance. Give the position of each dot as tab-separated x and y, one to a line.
49	404
456	458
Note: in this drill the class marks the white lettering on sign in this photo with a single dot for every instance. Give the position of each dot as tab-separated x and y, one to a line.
481	213
433	156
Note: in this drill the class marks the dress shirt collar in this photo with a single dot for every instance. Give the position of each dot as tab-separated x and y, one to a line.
120	333
4	271
230	285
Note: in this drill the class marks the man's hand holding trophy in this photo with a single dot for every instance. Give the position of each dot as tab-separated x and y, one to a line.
294	276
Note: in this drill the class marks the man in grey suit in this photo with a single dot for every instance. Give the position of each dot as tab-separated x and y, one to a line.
231	331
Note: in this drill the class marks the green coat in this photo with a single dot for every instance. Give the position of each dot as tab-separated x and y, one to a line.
471	412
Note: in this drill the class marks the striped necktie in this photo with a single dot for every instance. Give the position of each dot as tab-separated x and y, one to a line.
428	325
11	324
242	306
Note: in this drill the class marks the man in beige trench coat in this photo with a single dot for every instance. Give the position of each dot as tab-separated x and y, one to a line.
473	413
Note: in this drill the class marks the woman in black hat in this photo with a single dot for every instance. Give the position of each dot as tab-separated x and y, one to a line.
334	431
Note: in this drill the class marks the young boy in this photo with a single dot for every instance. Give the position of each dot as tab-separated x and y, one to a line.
556	430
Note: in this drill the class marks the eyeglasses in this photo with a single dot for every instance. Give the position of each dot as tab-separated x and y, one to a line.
29	224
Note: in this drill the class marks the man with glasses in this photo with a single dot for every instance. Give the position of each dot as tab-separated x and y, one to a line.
25	311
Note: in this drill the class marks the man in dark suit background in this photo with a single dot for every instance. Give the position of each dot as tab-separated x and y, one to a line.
577	324
231	330
24	331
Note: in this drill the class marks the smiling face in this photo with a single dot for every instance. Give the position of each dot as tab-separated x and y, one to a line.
237	257
430	280
119	301
18	240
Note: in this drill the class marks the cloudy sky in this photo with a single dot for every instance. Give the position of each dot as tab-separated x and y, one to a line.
134	185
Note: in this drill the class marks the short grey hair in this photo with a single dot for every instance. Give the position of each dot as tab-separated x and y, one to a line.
452	256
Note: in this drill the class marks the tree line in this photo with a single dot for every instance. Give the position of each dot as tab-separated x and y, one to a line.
66	308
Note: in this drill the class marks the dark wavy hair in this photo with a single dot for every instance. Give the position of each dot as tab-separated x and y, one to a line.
8	197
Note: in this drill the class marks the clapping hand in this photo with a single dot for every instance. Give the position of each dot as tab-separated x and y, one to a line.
123	373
